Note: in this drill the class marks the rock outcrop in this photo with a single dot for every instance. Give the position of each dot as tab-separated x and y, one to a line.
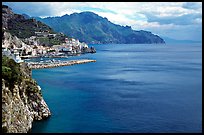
22	104
7	14
9	41
22	100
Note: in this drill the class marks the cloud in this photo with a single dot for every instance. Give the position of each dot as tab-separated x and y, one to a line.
192	5
96	9
43	9
185	19
158	17
179	32
31	8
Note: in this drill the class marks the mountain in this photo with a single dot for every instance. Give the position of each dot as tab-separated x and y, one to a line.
26	16
91	28
21	26
171	40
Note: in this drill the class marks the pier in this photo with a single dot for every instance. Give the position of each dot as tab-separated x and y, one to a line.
38	65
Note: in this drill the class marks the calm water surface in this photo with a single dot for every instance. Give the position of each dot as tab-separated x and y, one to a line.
131	88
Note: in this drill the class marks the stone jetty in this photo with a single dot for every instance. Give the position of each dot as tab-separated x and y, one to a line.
38	65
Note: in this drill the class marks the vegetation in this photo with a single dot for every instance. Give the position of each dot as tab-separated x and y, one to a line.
90	28
25	28
11	71
4	129
49	41
12	75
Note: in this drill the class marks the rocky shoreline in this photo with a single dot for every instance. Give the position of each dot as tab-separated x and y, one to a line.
22	104
38	65
22	98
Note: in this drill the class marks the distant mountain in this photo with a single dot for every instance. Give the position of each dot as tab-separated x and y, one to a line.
170	40
26	16
91	28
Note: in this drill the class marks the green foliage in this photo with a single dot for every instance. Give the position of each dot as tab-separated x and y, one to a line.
31	86
59	39
4	129
25	28
11	71
49	42
6	72
90	28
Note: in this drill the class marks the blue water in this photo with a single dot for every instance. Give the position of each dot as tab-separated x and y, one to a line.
131	88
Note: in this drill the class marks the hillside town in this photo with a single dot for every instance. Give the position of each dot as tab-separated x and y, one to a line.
32	47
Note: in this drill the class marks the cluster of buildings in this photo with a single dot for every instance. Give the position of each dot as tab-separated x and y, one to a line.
32	48
34	40
72	46
44	34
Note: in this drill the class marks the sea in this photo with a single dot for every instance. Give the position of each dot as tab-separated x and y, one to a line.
131	88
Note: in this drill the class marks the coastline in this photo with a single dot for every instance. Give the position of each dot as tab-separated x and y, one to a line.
22	101
38	65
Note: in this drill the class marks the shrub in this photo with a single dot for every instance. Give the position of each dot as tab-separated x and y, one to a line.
11	72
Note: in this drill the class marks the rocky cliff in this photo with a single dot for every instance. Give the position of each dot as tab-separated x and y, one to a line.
22	100
9	41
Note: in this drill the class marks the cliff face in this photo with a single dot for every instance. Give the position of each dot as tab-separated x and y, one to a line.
8	41
22	100
7	14
22	103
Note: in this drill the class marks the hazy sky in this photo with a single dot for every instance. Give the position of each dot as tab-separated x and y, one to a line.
178	20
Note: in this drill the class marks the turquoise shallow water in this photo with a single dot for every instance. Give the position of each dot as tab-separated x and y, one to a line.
131	88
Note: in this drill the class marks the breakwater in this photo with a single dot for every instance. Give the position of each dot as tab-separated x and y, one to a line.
38	65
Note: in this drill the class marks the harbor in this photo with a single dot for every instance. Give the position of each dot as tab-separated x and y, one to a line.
52	64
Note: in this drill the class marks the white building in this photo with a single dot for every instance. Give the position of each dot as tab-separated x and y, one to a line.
16	56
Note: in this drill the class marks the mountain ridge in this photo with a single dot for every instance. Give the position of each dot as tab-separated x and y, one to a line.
91	28
21	26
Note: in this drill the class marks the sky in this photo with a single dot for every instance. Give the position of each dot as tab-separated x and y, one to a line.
177	20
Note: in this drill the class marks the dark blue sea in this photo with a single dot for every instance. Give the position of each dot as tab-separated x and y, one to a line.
131	88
